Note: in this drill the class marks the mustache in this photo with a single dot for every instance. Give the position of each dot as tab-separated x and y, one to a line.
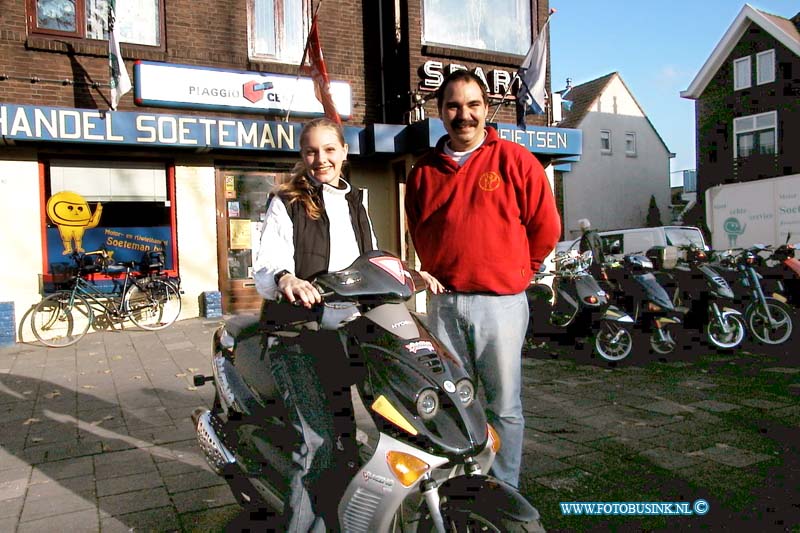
460	122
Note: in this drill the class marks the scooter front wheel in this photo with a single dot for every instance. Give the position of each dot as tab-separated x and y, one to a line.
662	342
462	520
613	343
726	340
776	332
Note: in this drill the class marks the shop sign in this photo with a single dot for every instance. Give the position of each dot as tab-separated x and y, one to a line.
497	80
191	87
541	140
41	123
122	244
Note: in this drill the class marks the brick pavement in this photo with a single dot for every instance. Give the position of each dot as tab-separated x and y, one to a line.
97	436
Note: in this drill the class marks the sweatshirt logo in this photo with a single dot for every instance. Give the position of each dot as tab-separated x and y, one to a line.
489	181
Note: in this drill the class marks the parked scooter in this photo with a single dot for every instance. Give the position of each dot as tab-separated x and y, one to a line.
782	267
636	289
698	289
575	306
768	317
426	472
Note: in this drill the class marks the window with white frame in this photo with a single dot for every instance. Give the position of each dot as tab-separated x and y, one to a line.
765	67
605	141
498	26
756	134
278	29
630	143
742	79
139	21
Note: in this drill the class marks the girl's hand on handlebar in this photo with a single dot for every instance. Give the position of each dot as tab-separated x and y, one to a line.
433	284
299	291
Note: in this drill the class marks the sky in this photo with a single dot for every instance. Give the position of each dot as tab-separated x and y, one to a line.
658	47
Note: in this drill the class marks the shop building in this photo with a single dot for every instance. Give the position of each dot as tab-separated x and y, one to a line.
190	154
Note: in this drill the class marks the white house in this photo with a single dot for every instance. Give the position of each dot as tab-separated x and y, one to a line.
624	160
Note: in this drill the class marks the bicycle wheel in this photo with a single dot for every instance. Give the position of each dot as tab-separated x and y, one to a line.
57	323
152	305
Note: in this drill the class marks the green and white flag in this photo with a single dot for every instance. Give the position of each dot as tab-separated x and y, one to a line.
120	82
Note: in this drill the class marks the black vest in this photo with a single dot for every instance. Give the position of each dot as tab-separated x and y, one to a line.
312	244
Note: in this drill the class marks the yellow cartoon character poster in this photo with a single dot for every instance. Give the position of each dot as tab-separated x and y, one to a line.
72	215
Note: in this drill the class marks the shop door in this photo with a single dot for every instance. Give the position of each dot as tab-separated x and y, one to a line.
241	202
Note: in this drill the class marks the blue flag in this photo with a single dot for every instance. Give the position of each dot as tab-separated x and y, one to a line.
532	74
566	104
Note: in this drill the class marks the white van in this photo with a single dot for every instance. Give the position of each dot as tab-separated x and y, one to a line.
617	243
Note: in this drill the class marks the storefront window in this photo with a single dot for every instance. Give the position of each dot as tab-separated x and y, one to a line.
122	207
246	204
498	26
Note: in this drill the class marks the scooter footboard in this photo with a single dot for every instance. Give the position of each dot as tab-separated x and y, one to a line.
488	495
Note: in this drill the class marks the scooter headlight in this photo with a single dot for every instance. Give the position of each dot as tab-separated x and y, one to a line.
466	392
427	404
591	299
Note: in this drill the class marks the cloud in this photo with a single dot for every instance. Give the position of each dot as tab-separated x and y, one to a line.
669	73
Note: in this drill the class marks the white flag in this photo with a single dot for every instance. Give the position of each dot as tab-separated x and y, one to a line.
119	81
532	73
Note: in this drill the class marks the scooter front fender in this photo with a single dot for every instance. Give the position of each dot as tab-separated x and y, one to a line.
665	320
727	311
615	314
489	495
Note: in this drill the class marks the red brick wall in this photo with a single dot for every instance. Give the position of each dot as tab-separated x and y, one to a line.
196	32
214	34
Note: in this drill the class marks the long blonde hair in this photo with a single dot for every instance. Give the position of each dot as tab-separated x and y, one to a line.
300	187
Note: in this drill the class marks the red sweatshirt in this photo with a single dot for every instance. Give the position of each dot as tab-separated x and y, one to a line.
485	226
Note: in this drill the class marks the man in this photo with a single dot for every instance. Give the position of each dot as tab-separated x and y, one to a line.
591	240
482	217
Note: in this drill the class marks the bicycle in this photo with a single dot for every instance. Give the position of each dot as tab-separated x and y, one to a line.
64	317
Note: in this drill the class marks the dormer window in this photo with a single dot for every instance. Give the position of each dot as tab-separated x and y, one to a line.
741	73
765	67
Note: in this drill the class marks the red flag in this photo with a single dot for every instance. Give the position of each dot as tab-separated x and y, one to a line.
319	73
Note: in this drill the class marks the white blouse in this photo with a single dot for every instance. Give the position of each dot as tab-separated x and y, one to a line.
276	247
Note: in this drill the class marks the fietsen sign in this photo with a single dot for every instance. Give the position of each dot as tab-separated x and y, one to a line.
190	87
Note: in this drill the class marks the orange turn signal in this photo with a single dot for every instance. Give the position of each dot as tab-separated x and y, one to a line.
494	439
406	468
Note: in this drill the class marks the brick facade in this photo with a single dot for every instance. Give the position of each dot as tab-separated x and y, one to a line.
719	104
195	32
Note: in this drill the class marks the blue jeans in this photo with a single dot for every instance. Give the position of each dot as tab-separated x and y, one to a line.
487	332
314	381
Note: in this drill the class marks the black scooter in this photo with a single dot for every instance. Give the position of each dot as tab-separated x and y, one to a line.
575	306
702	293
636	289
426	469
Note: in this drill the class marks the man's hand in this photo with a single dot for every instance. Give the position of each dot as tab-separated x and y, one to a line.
433	284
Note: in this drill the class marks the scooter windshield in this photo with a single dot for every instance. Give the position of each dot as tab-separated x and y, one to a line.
654	291
375	275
